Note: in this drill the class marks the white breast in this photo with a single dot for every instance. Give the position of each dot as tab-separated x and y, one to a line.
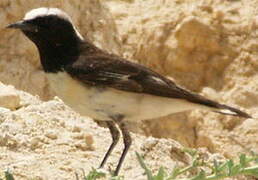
103	103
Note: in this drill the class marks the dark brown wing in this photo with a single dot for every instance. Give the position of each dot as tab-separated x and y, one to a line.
112	71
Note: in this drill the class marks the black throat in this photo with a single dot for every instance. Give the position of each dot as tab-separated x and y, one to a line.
55	56
58	50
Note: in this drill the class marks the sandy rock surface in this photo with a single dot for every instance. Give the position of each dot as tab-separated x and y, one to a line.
209	47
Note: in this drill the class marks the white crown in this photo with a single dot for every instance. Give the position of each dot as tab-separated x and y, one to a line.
44	11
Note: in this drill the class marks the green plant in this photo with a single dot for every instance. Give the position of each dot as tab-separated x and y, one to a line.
94	174
218	170
7	176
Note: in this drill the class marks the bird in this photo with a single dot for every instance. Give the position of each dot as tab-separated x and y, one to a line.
102	85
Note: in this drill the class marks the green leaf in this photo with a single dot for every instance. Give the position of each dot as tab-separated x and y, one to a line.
223	166
200	176
94	174
216	167
143	165
117	178
230	164
175	173
242	160
253	171
235	170
191	152
161	174
8	175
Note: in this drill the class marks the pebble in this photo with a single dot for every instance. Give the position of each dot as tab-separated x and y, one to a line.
51	135
9	98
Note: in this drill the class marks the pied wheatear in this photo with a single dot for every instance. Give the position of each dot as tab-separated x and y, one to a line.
105	86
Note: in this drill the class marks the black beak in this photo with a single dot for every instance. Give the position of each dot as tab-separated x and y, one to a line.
24	26
17	25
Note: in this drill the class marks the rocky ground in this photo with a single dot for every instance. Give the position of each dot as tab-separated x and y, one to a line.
209	47
47	140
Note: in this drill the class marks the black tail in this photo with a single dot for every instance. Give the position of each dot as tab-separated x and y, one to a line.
216	107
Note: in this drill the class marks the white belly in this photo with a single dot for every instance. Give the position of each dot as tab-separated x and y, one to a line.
103	103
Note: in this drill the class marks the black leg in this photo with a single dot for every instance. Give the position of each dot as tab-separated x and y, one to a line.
127	142
115	137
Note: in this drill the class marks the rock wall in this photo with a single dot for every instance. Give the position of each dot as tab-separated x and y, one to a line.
206	46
